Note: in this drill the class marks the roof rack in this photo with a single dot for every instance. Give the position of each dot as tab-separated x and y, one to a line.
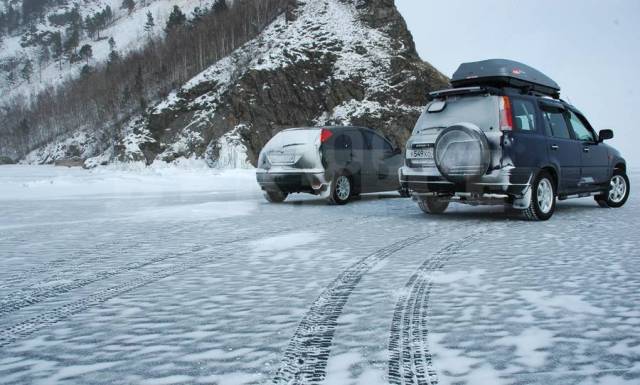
505	73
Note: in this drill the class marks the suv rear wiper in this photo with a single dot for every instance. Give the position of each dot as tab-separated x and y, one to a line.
292	144
419	131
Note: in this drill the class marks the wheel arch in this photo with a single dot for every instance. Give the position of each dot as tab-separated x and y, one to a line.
553	171
354	172
620	165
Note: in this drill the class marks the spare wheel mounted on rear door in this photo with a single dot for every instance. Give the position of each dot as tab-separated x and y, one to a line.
462	153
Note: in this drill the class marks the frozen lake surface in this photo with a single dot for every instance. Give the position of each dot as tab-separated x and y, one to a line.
171	276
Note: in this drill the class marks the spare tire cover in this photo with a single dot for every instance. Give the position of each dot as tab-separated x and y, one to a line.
462	152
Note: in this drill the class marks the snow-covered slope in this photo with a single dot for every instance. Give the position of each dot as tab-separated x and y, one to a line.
126	29
337	62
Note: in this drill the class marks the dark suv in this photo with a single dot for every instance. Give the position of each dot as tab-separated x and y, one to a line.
502	135
337	163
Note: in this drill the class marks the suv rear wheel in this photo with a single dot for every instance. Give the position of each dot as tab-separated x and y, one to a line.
275	196
618	191
432	205
543	198
341	189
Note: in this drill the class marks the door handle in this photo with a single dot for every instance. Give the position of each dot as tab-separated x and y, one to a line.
555	147
586	149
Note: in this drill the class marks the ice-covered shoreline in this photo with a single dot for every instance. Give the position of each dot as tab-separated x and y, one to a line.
23	182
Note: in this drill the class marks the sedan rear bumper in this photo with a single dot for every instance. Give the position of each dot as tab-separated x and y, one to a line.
293	182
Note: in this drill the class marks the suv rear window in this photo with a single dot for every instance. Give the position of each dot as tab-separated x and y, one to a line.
524	115
480	110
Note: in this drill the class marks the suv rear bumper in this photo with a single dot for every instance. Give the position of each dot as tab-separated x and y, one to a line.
513	182
313	182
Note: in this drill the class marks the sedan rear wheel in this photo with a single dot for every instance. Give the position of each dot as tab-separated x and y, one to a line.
275	196
341	189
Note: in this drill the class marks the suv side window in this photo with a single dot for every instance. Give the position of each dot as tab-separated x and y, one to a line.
581	131
556	123
524	113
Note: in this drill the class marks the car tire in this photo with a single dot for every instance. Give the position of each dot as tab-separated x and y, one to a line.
432	205
341	189
275	196
543	198
618	191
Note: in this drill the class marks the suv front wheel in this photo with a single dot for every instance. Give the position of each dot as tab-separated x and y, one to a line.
543	198
618	191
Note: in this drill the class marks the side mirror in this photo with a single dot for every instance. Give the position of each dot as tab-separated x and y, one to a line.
605	135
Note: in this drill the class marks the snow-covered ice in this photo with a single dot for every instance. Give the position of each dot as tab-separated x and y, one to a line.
183	274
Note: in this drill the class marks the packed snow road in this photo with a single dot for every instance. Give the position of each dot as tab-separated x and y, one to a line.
169	276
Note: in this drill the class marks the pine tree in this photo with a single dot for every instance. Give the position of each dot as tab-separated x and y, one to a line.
176	19
114	57
129	5
197	15
138	85
72	42
11	78
148	26
56	47
126	96
27	71
289	14
86	52
86	70
112	44
43	59
219	6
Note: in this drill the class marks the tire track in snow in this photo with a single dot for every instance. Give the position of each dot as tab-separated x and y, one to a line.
20	299
24	298
306	356
29	326
410	360
73	267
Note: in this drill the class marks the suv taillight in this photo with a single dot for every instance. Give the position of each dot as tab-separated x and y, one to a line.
325	135
506	116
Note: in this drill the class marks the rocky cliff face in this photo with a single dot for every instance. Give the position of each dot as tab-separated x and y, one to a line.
329	62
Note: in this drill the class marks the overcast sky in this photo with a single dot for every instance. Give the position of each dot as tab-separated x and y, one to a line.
591	48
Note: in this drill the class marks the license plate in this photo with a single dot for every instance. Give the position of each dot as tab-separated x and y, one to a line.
422	153
282	158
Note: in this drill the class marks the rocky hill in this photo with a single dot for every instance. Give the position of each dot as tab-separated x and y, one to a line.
324	62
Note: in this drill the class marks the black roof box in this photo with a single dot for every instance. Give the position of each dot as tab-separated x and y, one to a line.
502	72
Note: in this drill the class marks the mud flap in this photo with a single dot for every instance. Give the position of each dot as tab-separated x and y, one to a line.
524	202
